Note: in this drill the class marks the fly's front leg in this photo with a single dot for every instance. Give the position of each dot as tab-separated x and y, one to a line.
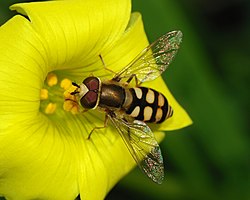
75	84
99	127
105	67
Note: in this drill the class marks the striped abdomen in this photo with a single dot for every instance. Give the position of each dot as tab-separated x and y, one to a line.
148	105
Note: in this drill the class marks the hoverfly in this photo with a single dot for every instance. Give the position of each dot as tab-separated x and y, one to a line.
129	108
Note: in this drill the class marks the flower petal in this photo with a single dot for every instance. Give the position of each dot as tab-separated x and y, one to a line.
132	42
22	72
29	168
73	32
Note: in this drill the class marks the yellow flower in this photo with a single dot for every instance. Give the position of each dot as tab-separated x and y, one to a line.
44	151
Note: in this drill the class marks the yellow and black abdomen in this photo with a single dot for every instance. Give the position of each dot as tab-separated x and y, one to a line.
148	105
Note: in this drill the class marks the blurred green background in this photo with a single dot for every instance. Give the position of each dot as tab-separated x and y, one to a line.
209	160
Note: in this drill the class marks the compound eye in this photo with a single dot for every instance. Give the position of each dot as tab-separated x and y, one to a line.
92	83
89	100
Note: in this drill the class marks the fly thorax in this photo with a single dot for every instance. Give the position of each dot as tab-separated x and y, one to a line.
112	96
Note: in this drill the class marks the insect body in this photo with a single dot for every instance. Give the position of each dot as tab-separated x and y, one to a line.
129	107
148	105
141	103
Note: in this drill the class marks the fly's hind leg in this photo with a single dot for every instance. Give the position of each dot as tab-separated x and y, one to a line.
99	127
137	82
130	78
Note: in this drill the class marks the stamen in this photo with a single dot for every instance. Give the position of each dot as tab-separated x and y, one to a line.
52	79
71	103
68	105
71	106
67	94
51	108
66	84
44	94
55	97
75	110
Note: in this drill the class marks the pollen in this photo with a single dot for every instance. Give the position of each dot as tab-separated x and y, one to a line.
70	101
75	110
44	94
71	106
68	105
66	84
51	108
56	96
52	79
67	94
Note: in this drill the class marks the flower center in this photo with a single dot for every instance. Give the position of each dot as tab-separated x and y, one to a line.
52	95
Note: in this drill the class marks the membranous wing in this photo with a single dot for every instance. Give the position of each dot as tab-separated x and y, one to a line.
154	59
143	146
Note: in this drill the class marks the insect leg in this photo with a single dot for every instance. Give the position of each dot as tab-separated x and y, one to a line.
75	92
99	127
75	84
105	67
131	78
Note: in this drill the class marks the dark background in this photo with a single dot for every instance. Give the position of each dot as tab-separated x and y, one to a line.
211	159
